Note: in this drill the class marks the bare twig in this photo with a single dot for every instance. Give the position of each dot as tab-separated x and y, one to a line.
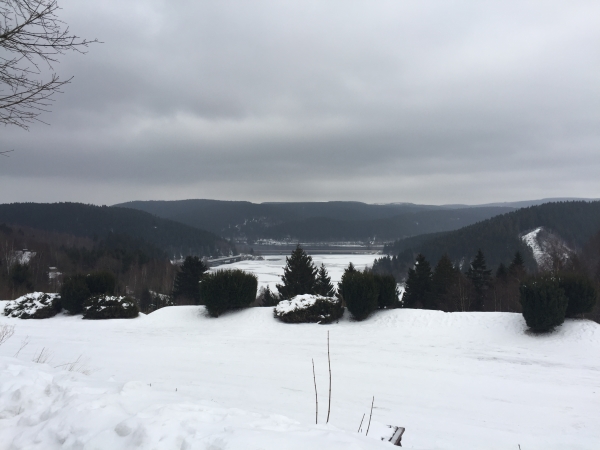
316	398
6	331
24	343
75	366
43	357
5	153
361	421
31	35
329	362
372	402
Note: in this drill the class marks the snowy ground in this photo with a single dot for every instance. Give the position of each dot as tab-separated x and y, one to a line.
178	379
269	270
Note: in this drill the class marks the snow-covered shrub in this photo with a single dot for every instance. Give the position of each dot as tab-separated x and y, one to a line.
109	307
309	308
360	294
224	290
37	305
580	292
544	303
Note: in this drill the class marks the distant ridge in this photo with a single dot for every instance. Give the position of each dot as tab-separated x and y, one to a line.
99	221
315	221
500	237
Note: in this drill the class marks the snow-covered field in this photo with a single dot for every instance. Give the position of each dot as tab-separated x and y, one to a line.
178	379
269	270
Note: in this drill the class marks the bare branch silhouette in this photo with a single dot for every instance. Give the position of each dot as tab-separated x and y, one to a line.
31	36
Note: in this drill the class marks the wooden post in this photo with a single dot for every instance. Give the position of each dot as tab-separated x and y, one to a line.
370	416
361	421
316	398
329	362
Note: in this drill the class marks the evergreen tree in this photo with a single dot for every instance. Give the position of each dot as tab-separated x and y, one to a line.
74	292
224	290
502	272
418	290
387	291
348	271
445	276
544	303
268	297
360	294
21	275
323	285
516	269
145	301
299	275
187	281
480	276
580	292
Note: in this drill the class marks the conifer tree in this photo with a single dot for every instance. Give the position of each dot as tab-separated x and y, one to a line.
445	276
502	272
299	275
360	294
480	276
516	269
269	298
348	271
418	290
544	303
187	281
323	285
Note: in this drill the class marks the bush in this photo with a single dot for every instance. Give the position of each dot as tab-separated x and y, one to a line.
74	293
580	292
76	289
101	283
186	289
360	294
544	303
37	305
224	290
110	307
151	301
309	309
387	291
267	298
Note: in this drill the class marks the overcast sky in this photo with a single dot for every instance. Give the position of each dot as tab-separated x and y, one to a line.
377	101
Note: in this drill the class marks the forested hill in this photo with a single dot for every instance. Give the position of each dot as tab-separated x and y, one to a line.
499	237
316	221
407	224
99	221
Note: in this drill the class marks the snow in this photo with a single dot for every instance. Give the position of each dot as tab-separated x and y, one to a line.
270	269
299	302
29	304
177	379
546	246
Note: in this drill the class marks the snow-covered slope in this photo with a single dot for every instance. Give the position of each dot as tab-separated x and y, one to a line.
178	379
546	247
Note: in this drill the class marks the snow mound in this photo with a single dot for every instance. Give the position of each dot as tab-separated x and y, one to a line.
43	408
36	305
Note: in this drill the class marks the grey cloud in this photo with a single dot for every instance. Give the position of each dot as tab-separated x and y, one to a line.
376	101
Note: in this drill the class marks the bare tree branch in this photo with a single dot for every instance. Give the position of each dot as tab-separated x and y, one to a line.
31	35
